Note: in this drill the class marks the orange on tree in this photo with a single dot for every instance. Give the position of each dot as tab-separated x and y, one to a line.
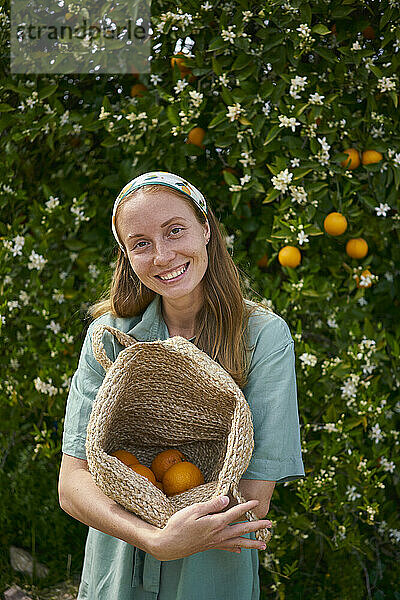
137	89
164	460
353	160
144	471
368	33
179	61
126	457
335	223
371	156
196	136
263	262
366	282
289	256
357	248
181	477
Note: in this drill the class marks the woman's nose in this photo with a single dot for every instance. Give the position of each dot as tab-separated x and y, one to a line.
162	254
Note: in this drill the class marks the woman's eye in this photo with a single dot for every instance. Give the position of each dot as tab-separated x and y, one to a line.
172	230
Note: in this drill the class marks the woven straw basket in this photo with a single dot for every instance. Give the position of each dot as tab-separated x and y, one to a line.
167	394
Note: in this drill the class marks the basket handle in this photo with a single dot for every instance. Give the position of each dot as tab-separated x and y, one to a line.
98	347
263	535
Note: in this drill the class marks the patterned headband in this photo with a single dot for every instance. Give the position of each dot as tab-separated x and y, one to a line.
159	178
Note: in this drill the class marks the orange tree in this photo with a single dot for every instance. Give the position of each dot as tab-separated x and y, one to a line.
282	113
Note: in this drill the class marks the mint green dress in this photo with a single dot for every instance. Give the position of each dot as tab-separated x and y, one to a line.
115	570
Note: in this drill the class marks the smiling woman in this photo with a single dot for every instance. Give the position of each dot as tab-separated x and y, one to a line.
174	276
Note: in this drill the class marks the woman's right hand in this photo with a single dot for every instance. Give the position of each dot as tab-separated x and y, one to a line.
203	526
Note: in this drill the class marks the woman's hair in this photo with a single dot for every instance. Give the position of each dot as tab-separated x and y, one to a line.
221	323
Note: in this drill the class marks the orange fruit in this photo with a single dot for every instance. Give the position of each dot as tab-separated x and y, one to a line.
164	460
196	136
144	471
335	223
371	156
369	33
126	457
289	256
263	262
181	477
357	248
179	61
159	485
365	273
138	89
354	161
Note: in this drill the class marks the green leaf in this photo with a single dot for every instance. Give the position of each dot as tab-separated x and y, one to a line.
376	71
217	68
219	118
6	107
326	54
270	197
300	173
321	29
48	91
216	44
242	61
172	113
273	132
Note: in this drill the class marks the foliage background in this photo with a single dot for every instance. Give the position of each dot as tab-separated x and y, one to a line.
63	160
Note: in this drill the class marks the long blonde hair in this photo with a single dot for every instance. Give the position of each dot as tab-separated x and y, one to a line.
221	323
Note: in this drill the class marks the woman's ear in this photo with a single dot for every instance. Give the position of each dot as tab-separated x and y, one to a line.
207	232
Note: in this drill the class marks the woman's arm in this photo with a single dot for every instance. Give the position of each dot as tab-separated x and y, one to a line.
201	526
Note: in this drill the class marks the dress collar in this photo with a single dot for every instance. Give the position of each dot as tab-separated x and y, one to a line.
152	325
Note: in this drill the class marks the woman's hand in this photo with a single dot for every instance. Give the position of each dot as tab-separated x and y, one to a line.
202	526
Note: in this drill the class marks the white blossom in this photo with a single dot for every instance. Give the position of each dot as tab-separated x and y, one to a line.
297	84
316	99
387	465
229	240
302	237
52	203
45	388
155	79
65	118
304	30
36	261
94	271
55	327
308	359
351	493
382	209
228	35
387	84
266	108
349	388
288	122
15	245
356	46
234	111
281	180
376	434
180	85
298	194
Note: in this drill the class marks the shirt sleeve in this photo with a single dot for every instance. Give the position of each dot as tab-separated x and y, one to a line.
271	393
84	387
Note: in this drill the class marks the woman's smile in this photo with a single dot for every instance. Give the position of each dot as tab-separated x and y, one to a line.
174	275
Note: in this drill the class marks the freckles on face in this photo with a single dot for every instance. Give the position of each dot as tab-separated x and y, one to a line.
160	247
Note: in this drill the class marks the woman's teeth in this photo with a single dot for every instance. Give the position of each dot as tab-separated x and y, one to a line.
174	274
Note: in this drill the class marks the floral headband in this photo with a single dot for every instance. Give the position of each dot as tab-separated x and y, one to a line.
159	178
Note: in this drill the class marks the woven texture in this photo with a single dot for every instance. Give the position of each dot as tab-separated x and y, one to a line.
167	394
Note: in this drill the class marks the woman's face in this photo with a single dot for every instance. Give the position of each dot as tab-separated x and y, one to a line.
162	235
